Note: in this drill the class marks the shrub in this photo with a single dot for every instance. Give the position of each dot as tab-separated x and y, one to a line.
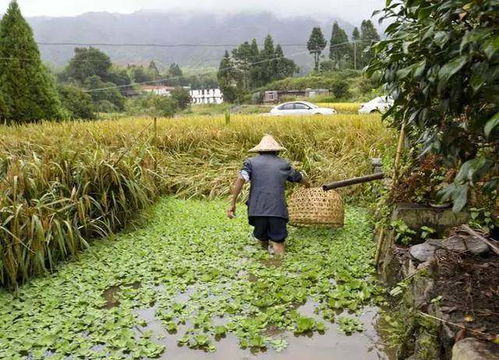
152	105
77	102
340	89
182	97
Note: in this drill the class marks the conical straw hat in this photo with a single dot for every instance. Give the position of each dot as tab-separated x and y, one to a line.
267	144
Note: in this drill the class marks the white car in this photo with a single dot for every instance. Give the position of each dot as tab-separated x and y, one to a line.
300	108
377	105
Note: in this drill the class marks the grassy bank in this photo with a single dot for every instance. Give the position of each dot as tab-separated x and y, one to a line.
63	184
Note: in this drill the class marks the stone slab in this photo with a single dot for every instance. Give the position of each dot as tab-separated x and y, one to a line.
422	252
473	349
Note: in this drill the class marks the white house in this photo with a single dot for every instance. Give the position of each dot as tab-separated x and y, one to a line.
207	96
158	89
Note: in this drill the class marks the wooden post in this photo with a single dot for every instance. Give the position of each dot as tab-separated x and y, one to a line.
399	152
358	180
379	246
155	128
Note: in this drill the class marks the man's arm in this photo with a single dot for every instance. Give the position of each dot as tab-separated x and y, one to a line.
238	186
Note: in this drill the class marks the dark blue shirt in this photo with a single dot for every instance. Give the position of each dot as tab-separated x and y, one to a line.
268	174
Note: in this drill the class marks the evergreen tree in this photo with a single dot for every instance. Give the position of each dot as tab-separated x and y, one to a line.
368	36
153	69
175	71
315	45
225	78
88	62
267	58
356	47
339	49
255	68
28	90
283	67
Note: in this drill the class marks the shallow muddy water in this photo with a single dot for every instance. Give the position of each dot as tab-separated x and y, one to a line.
331	345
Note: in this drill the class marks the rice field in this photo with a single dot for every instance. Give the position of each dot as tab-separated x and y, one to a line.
64	184
342	108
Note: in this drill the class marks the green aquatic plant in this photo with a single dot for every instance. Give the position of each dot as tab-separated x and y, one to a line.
200	277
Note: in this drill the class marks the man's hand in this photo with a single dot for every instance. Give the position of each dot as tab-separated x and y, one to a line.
231	213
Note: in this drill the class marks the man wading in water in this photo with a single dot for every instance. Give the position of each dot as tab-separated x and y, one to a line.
267	174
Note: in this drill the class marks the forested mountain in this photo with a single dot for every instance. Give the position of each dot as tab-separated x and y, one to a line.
173	28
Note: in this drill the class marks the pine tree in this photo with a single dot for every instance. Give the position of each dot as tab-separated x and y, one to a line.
315	45
28	90
267	57
225	78
153	69
283	67
368	36
339	49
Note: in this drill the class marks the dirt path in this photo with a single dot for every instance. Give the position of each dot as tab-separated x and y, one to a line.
192	278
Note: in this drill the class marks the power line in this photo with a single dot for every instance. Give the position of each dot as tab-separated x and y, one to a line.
178	77
149	44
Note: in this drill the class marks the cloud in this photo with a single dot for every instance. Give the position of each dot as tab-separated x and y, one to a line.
350	10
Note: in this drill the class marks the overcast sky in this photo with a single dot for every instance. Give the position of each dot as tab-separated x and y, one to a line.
349	10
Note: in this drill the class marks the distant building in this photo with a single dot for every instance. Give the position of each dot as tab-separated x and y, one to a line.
158	89
276	96
206	96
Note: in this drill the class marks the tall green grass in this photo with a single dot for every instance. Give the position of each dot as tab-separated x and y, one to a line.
62	184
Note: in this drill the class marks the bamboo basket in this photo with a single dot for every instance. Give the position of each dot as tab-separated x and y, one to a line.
316	207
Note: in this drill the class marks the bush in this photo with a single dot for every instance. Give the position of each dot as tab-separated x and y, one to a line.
182	97
77	102
152	105
340	89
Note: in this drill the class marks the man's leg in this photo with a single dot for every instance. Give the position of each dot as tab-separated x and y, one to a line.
260	231
277	233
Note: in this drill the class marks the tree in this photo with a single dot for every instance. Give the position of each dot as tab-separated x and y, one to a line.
175	71
153	70
182	97
28	90
77	102
88	62
368	36
315	45
448	102
339	49
356	48
227	79
283	67
104	94
152	105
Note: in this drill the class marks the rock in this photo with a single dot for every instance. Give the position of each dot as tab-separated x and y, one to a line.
422	252
473	349
462	243
416	216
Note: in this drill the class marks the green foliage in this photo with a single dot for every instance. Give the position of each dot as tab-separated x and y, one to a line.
182	97
249	68
77	102
66	314
340	89
448	101
27	89
88	62
152	105
315	45
339	51
350	325
104	94
403	234
368	36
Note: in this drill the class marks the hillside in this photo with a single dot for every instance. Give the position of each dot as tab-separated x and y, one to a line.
173	28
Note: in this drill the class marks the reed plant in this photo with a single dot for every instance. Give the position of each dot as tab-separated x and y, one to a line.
63	184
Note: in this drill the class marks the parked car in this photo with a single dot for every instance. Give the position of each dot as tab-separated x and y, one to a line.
379	104
300	108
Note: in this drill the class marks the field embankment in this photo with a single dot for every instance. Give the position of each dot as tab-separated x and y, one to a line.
63	184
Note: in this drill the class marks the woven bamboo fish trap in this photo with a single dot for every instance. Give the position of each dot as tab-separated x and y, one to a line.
316	207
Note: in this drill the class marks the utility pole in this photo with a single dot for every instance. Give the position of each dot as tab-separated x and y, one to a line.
355	55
